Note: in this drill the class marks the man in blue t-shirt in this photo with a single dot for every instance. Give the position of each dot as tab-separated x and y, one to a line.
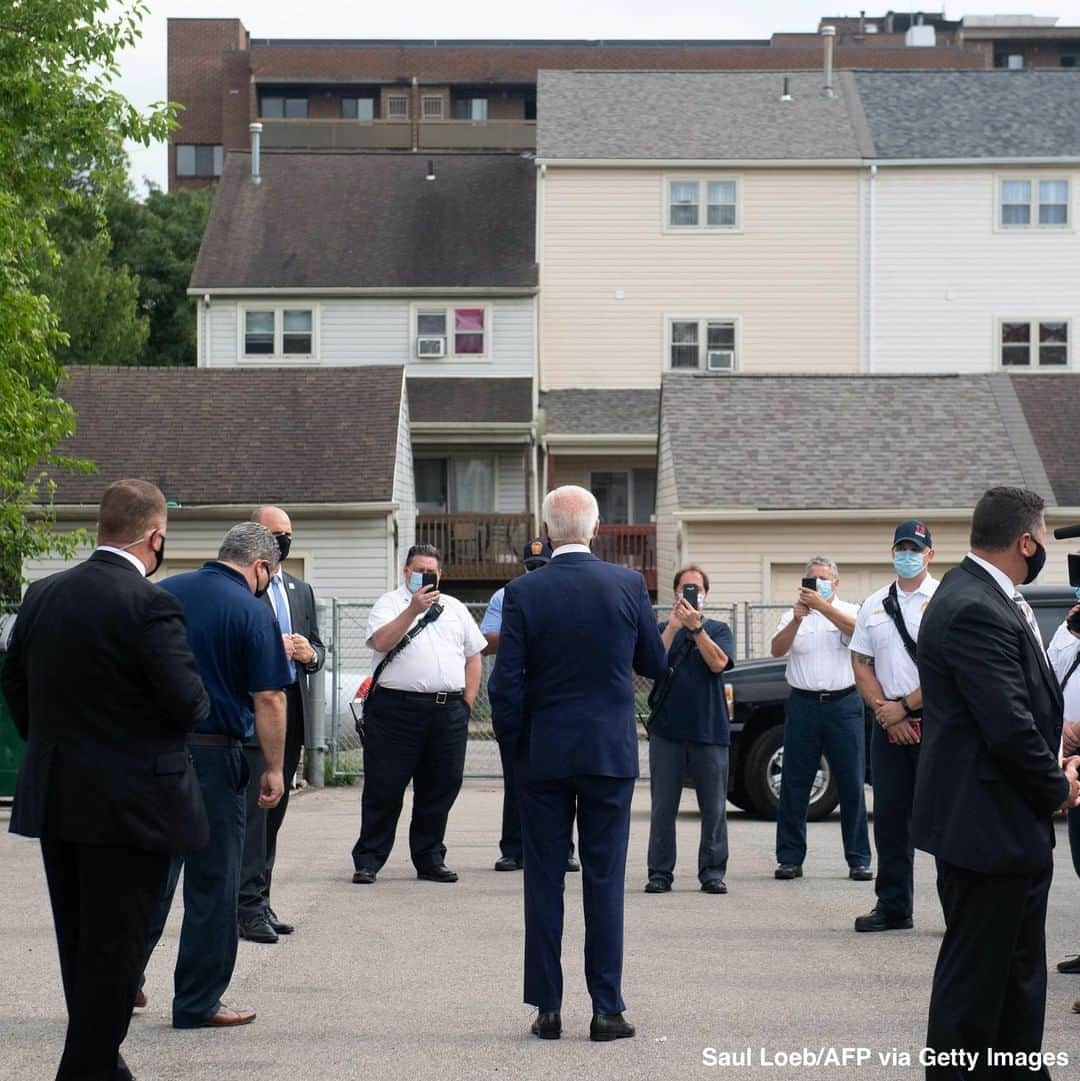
238	649
689	727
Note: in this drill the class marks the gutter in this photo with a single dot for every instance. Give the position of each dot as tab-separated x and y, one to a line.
239	511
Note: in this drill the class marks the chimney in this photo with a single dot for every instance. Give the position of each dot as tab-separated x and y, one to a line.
785	96
829	34
862	23
256	137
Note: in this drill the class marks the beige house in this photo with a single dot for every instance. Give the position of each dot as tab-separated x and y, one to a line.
828	465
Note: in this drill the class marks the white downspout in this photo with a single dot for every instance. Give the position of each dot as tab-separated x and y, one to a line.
870	273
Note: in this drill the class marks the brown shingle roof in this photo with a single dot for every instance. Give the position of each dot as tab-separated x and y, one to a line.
1051	403
480	401
257	435
371	220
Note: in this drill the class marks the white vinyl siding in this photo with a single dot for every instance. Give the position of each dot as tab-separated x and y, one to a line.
510	496
404	488
667	554
940	293
610	275
375	330
344	558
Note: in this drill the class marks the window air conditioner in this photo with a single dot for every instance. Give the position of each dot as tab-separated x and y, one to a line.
720	360
431	347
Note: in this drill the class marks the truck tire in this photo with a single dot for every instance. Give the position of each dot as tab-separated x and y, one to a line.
761	778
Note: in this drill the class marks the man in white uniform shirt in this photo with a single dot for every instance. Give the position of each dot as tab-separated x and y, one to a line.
416	718
822	715
888	680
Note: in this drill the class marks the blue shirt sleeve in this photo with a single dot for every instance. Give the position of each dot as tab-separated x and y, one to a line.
268	668
721	634
492	621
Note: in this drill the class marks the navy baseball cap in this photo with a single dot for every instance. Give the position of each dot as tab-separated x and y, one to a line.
537	551
913	530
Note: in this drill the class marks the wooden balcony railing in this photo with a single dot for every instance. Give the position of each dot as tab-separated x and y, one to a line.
631	546
477	546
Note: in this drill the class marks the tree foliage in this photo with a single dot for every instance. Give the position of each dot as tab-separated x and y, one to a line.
62	127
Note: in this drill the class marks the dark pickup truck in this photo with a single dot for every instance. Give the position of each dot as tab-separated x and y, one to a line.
757	692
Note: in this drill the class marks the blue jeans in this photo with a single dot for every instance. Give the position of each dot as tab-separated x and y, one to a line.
837	730
668	759
209	936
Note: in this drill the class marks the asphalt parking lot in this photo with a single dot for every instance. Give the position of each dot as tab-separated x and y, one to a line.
422	982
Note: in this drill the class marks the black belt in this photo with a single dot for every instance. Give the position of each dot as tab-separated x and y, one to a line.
439	698
824	696
212	739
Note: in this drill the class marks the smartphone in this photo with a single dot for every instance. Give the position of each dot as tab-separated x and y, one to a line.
429	579
691	596
810	583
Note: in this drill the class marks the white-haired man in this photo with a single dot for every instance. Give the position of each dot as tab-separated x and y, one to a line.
562	698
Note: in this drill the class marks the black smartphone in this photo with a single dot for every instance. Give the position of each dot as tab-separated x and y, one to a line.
810	583
691	595
429	579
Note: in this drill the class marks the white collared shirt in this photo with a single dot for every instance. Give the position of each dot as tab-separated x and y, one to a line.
135	561
819	658
1062	652
566	549
435	659
1004	582
876	635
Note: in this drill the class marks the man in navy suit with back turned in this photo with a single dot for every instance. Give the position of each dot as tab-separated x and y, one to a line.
562	698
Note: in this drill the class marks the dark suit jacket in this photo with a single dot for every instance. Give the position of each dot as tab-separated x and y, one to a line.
988	778
304	618
562	691
102	684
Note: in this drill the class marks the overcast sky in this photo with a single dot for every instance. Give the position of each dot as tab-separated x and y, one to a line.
143	68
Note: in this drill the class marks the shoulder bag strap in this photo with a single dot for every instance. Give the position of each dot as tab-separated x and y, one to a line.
430	616
662	687
1072	668
897	617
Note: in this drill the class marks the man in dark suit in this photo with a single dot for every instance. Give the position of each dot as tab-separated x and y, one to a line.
987	785
562	697
293	603
101	682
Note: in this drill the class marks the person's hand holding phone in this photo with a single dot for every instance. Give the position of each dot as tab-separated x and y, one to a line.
686	614
427	594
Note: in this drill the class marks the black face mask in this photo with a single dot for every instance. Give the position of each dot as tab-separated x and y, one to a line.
262	592
1035	563
284	543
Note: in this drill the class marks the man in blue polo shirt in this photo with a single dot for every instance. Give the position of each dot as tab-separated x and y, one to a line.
689	726
238	649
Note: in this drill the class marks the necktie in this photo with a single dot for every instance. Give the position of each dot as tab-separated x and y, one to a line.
283	614
1033	626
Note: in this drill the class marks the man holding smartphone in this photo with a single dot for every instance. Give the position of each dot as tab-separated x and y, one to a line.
823	715
689	727
417	718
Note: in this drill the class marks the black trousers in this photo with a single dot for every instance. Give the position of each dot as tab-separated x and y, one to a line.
104	898
990	979
510	843
894	767
261	825
410	740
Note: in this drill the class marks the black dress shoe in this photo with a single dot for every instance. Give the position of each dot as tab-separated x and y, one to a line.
656	884
860	874
548	1025
572	864
610	1026
442	873
280	926
713	885
258	930
788	870
876	920
1070	966
364	877
508	863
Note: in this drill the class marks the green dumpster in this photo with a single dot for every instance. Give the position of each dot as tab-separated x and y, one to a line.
12	747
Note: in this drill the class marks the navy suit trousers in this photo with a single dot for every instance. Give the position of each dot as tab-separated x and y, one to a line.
894	766
548	808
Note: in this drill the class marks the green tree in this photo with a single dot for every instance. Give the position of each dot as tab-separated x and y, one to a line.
158	241
62	127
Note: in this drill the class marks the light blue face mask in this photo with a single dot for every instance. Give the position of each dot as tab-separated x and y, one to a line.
416	580
824	587
908	564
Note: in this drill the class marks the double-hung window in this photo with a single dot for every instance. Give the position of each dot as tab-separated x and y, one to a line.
278	332
701	204
1033	344
708	345
1030	203
451	332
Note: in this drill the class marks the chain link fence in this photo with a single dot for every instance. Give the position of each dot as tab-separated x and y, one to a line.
351	662
759	625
